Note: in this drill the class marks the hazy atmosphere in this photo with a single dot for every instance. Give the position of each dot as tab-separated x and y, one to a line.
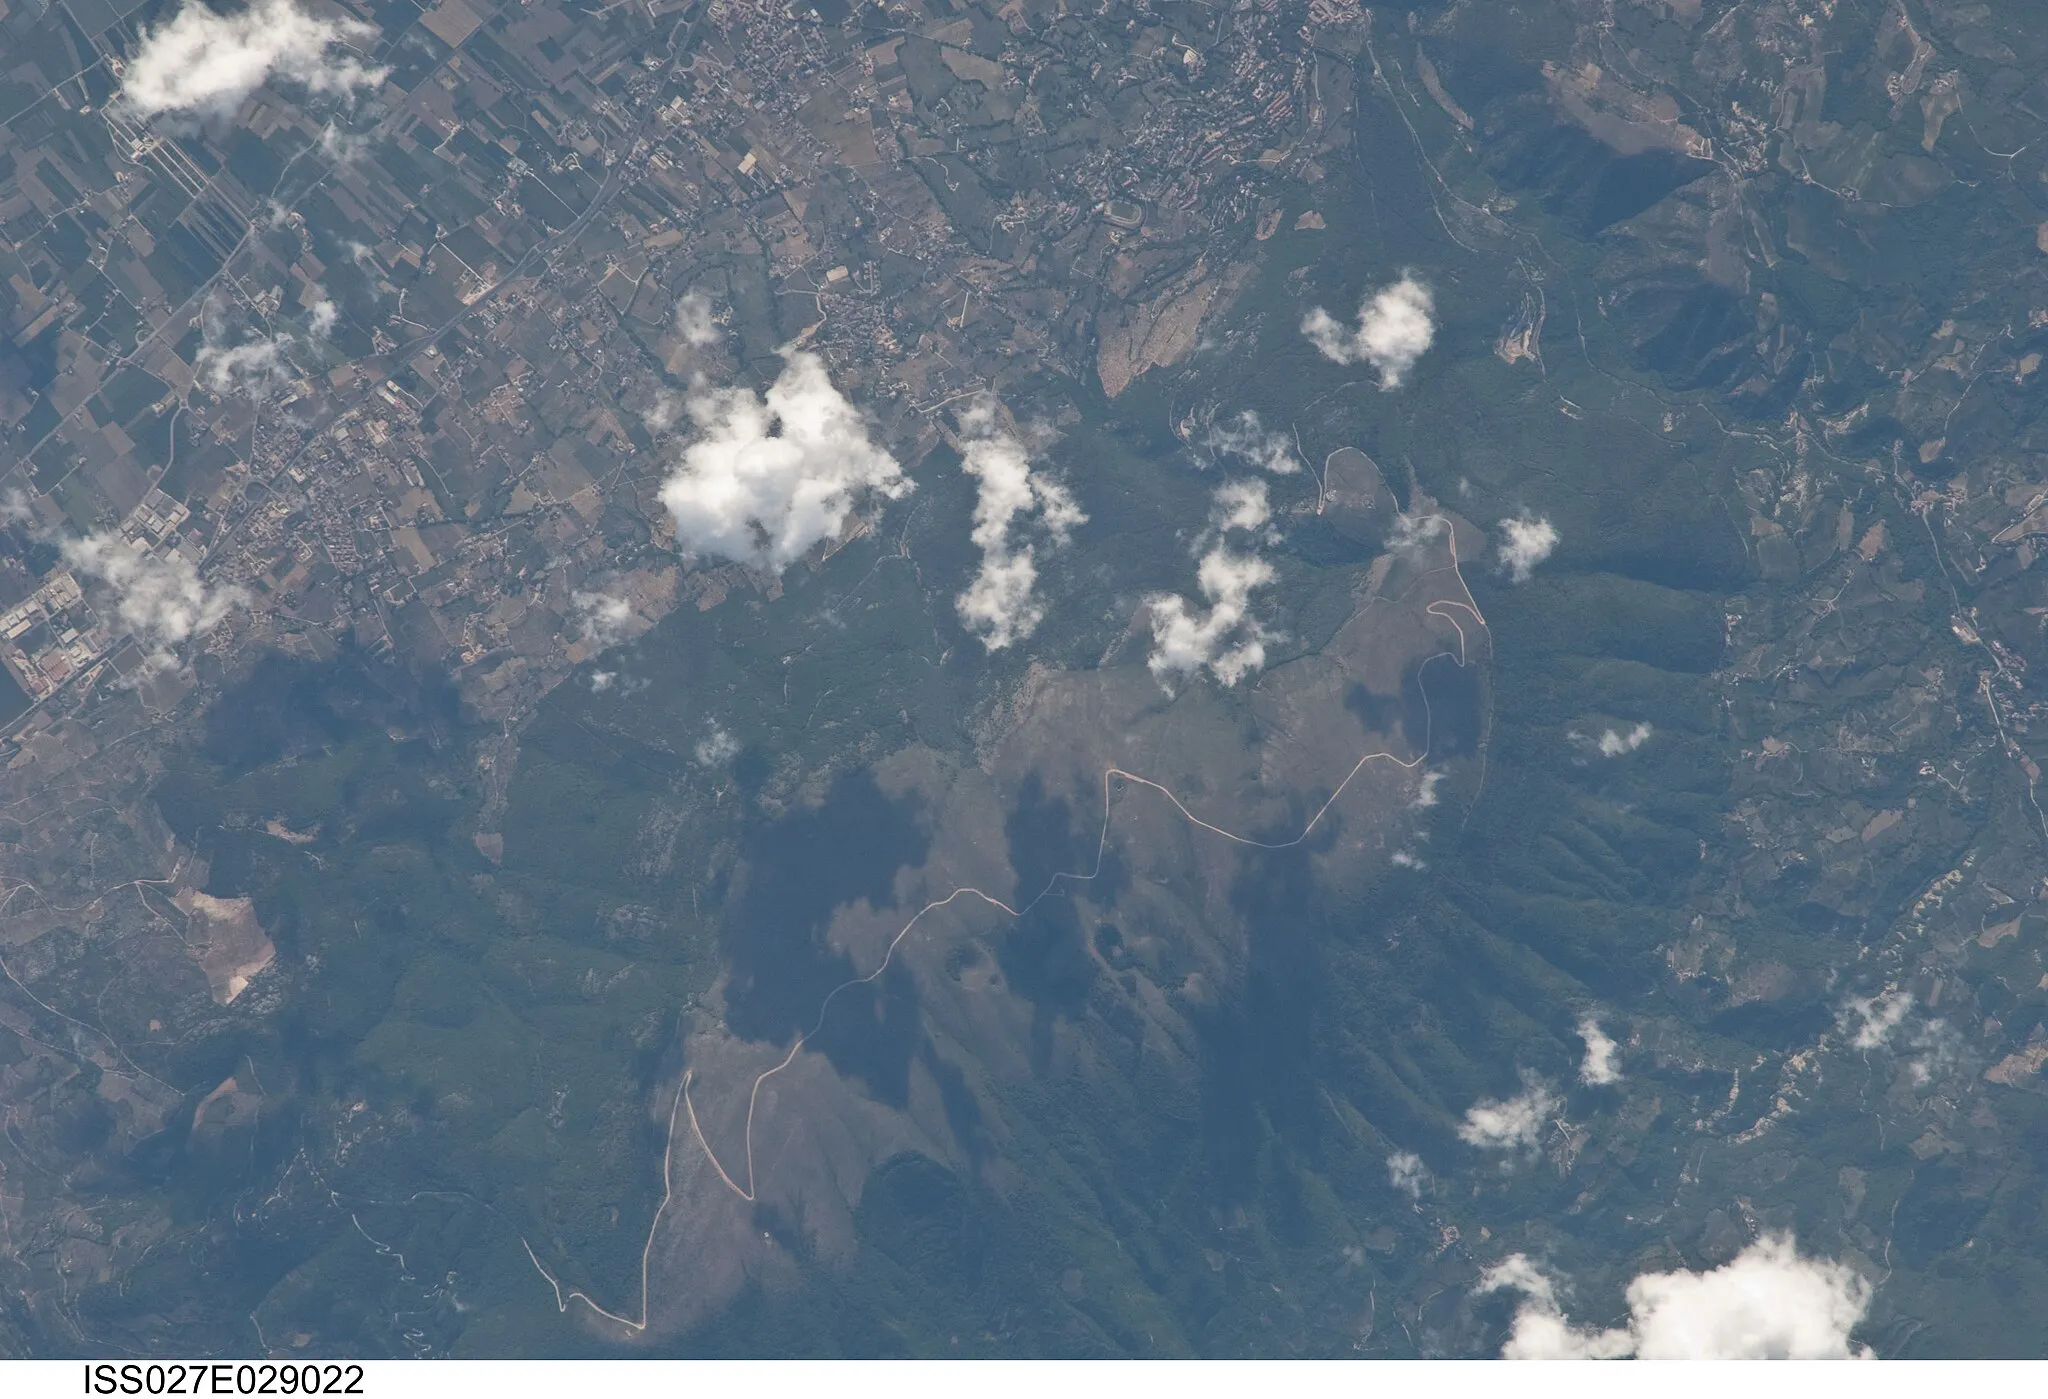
987	678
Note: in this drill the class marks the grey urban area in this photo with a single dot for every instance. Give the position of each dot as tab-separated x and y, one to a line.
472	420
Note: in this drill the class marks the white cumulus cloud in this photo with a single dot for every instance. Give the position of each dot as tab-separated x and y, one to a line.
695	322
1246	438
1502	1124
1613	742
1425	789
1599	1066
716	748
601	619
254	368
1525	541
344	147
1411	534
771	475
200	63
1226	639
999	606
1396	326
1768	1303
1940	1048
1242	505
161	601
1407	1173
662	414
1875	1017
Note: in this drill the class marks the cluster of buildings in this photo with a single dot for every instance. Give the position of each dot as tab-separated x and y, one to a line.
48	636
407	372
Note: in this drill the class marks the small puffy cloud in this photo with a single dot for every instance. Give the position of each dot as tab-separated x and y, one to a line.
1599	1066
1938	1049
601	619
1407	1173
1411	534
1768	1303
1246	438
1396	326
695	322
1613	742
1226	640
999	605
662	414
1540	1314
770	475
203	64
1871	1019
1242	505
161	601
253	369
1505	1124
1425	789
343	147
1525	541
1873	1022
602	680
256	367
1408	860
716	748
